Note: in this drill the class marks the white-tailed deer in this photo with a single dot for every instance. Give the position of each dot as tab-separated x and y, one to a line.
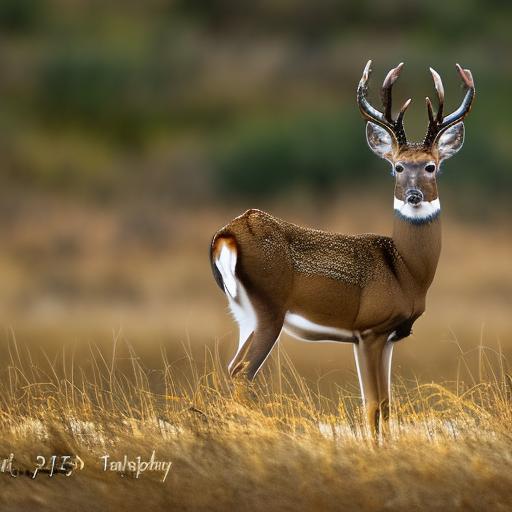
364	289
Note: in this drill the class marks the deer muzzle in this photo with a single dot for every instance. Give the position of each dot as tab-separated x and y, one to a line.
413	196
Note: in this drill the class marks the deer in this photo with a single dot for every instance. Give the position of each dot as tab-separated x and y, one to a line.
367	289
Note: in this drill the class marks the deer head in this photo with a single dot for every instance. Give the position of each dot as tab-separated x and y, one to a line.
415	165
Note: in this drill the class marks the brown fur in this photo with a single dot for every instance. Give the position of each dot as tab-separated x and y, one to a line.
414	159
356	282
371	285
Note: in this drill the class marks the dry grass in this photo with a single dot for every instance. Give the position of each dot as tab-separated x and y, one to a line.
279	444
70	274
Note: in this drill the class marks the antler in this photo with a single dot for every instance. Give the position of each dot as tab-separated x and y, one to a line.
396	127
438	124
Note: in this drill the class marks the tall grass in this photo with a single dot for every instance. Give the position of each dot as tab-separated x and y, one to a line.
111	384
236	441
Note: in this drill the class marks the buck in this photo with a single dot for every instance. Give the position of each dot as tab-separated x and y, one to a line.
366	289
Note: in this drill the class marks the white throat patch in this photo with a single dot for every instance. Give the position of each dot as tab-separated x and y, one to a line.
426	211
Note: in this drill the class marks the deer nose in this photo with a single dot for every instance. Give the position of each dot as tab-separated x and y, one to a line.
413	196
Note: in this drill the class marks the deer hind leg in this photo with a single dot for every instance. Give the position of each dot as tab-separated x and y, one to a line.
258	334
373	362
259	327
261	343
249	329
224	255
245	316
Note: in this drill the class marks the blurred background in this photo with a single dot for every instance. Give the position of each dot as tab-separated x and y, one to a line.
131	131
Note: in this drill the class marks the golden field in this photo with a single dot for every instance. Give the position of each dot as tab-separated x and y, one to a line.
279	443
129	133
116	340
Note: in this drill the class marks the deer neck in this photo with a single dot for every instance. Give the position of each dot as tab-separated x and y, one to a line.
417	237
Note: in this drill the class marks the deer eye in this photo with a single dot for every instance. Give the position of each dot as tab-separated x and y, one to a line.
399	168
430	167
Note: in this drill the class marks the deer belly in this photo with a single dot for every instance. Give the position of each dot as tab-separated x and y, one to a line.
300	327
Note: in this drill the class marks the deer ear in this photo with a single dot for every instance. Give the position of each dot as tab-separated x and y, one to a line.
450	141
381	142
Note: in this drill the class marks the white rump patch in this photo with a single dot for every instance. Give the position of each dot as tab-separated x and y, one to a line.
425	211
226	263
292	321
239	302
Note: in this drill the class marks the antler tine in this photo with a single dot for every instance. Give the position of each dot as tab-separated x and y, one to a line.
438	84
429	110
465	106
466	76
368	111
386	91
440	124
372	114
400	117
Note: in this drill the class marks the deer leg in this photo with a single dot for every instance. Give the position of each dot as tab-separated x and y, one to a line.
244	342
373	361
258	346
385	385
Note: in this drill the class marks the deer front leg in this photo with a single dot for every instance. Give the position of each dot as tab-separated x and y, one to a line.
385	385
373	362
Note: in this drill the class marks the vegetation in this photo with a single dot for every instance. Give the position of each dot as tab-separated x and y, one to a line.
102	100
129	132
279	442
